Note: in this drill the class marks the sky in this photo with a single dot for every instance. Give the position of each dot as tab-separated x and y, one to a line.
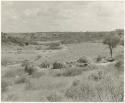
61	16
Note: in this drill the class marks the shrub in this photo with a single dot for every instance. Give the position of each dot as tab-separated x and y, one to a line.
83	60
29	67
44	65
58	65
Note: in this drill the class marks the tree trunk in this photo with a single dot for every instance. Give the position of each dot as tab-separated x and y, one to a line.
110	48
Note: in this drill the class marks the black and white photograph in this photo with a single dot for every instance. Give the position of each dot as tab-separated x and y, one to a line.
62	51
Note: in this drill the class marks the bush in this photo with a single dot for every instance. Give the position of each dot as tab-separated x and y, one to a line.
83	60
58	65
29	67
44	65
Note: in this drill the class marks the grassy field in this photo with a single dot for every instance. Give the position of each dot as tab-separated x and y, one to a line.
96	82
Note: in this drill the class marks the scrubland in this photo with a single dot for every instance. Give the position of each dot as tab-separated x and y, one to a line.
71	73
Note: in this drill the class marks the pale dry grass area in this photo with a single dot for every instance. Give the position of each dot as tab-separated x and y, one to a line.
91	83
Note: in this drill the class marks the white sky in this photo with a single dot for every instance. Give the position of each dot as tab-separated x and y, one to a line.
60	16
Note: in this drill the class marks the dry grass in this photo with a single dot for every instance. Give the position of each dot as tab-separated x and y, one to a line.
4	85
69	72
72	82
109	88
55	97
13	72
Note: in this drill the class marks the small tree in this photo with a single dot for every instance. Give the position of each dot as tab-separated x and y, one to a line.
112	41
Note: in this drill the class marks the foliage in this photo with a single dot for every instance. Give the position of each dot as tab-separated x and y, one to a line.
58	65
44	65
112	41
29	67
83	60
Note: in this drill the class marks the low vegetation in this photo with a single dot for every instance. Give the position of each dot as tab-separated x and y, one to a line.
58	65
82	73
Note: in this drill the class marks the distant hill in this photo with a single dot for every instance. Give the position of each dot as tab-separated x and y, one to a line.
65	37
